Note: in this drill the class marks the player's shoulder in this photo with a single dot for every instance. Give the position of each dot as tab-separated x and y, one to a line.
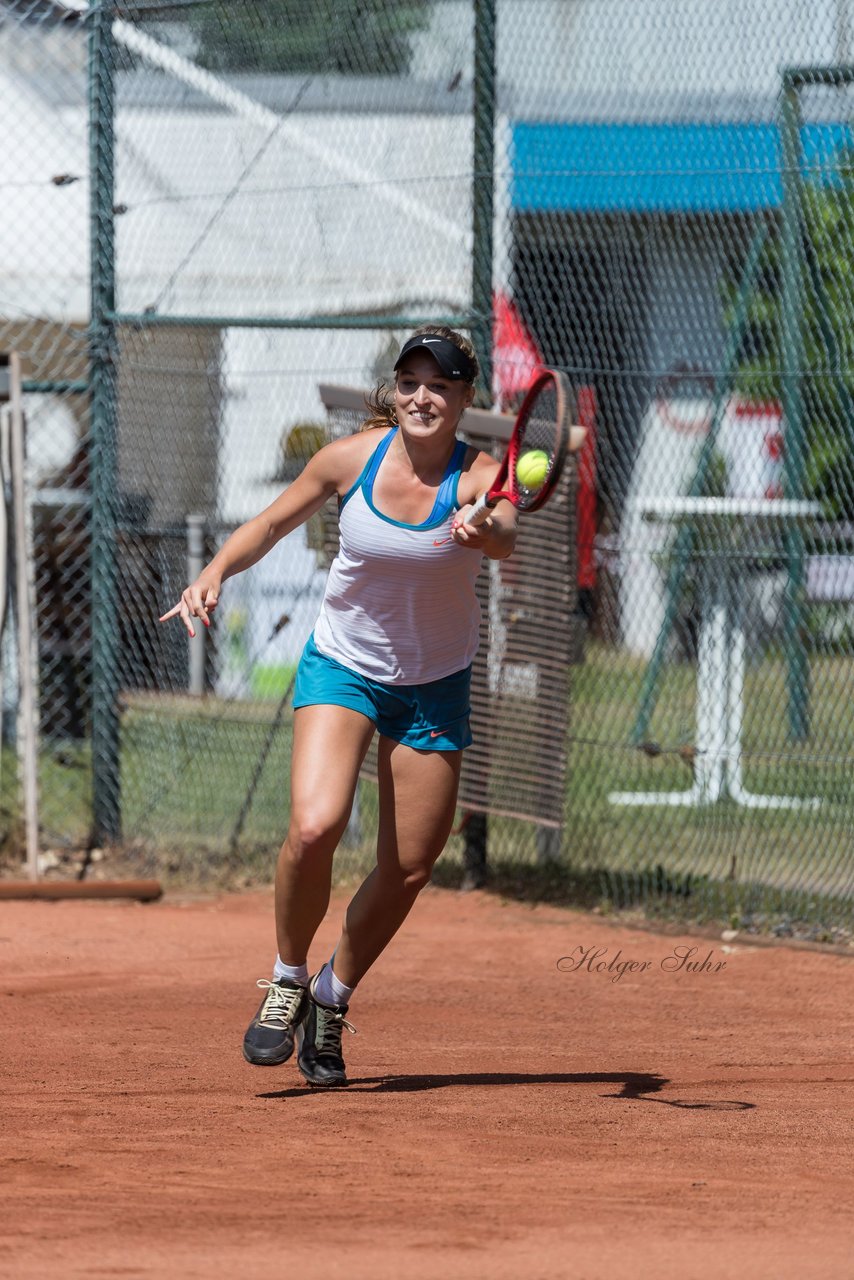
343	459
360	442
476	474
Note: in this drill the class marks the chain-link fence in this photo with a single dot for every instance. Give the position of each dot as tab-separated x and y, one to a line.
211	210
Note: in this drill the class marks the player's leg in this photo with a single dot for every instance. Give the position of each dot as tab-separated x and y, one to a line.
418	797
418	793
329	746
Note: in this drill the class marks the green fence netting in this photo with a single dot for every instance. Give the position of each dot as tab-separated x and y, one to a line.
213	210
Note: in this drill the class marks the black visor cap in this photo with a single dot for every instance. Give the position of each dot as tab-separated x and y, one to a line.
453	362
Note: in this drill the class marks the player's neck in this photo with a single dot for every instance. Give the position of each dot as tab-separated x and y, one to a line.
426	458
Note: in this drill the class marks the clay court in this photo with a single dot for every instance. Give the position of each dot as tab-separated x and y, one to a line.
511	1113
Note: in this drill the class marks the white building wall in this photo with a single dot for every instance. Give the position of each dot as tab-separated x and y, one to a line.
653	48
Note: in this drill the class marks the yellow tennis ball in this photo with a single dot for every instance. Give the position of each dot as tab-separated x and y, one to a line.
532	467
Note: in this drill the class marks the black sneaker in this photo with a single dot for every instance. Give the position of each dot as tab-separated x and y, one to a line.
269	1039
319	1056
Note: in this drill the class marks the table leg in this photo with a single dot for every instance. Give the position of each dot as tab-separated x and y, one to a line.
735	704
711	735
721	663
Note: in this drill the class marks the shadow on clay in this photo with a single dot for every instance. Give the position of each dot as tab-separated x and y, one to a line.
635	1085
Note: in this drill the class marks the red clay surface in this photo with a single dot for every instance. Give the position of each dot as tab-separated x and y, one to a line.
506	1119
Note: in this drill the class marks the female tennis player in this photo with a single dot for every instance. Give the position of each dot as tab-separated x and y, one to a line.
391	653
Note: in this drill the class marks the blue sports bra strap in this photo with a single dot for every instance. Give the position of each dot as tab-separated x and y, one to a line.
446	498
369	470
458	456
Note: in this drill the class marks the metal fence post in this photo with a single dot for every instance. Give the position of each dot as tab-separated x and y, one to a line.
103	461
483	188
483	214
27	623
793	352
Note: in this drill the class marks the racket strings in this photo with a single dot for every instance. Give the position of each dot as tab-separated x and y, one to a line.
540	435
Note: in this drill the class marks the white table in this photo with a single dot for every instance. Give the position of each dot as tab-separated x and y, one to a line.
723	525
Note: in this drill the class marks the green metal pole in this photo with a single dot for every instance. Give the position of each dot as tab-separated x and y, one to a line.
103	468
684	541
483	190
793	358
483	201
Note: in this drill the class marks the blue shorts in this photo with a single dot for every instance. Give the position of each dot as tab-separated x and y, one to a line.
429	717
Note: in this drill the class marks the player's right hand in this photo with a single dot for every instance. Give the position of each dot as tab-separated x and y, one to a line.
197	601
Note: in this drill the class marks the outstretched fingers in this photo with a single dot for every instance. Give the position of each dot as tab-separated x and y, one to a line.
195	602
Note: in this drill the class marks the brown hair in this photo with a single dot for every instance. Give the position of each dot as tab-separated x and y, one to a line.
380	401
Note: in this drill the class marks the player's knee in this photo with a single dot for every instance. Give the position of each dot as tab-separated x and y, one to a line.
310	833
415	879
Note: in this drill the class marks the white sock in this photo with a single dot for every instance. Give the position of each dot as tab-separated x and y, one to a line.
329	989
294	972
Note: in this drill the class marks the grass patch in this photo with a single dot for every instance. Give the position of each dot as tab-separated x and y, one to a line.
188	766
272	682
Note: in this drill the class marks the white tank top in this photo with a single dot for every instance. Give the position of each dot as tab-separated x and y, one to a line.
400	604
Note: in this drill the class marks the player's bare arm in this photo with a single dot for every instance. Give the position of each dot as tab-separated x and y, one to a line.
332	470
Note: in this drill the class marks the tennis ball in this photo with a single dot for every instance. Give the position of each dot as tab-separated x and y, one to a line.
532	467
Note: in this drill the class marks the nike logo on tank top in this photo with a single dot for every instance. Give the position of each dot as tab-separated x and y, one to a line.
400	604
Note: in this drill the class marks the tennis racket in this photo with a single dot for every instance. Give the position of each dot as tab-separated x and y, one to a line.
533	463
